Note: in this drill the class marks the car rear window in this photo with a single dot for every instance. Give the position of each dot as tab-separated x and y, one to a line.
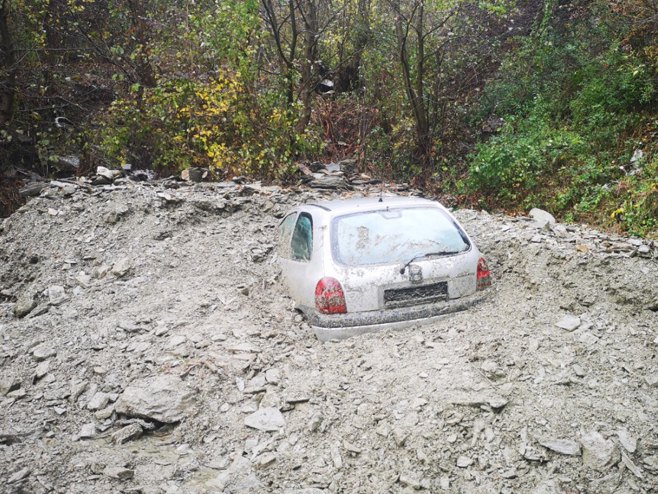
394	235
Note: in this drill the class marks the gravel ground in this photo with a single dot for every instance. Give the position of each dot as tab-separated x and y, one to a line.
147	345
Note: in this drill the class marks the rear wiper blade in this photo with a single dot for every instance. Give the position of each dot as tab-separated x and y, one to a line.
427	254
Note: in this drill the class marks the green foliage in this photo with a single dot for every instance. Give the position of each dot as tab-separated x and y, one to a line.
569	102
217	124
636	196
529	154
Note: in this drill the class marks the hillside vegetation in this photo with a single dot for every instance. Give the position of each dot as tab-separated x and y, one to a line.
496	103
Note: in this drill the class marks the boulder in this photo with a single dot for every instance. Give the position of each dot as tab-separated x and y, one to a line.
599	453
266	419
542	218
164	398
24	304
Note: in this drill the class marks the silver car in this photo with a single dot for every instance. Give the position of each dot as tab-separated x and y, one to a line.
359	265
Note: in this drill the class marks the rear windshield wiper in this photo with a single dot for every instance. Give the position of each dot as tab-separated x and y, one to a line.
428	254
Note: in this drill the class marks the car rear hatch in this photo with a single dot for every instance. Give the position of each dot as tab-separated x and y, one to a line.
404	257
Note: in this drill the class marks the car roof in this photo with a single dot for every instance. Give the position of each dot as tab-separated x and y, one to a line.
369	203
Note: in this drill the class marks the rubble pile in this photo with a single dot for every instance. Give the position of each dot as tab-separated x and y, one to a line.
147	345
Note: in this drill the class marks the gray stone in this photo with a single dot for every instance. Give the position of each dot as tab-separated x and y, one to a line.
569	322
266	419
464	461
8	384
599	453
128	433
329	182
652	380
87	431
24	304
119	473
541	217
273	376
56	295
98	401
42	369
65	163
43	352
548	486
238	478
121	267
163	398
632	467
20	475
128	326
562	446
108	174
411	479
627	440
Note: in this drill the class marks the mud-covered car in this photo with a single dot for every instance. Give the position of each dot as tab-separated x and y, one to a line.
357	265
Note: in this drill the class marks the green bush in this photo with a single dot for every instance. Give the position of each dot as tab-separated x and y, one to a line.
219	124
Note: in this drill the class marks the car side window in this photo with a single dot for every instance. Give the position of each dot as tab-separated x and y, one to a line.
302	238
285	230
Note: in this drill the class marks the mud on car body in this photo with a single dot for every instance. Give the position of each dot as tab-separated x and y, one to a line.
358	265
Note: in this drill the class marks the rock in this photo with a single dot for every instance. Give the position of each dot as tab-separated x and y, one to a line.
598	453
32	189
119	473
8	384
266	419
42	369
410	479
104	413
562	446
121	267
266	459
351	448
24	304
128	433
67	164
627	441
43	352
129	326
464	461
87	431
329	182
83	279
651	462
194	174
542	218
56	295
652	380
164	398
98	401
237	478
20	475
569	323
548	486
632	467
273	376
108	174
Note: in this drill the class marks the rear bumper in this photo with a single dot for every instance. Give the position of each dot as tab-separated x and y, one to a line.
339	326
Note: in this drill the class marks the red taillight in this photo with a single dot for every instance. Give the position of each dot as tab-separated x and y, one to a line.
329	297
483	275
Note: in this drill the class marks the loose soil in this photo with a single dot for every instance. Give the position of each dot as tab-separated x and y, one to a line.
126	282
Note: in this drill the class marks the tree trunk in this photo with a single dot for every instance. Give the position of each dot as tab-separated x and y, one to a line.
414	83
309	13
143	67
8	67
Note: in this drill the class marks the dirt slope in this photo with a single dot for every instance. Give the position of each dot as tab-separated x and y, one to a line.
133	293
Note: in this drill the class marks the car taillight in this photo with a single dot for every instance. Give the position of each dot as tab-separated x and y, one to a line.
329	297
483	275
